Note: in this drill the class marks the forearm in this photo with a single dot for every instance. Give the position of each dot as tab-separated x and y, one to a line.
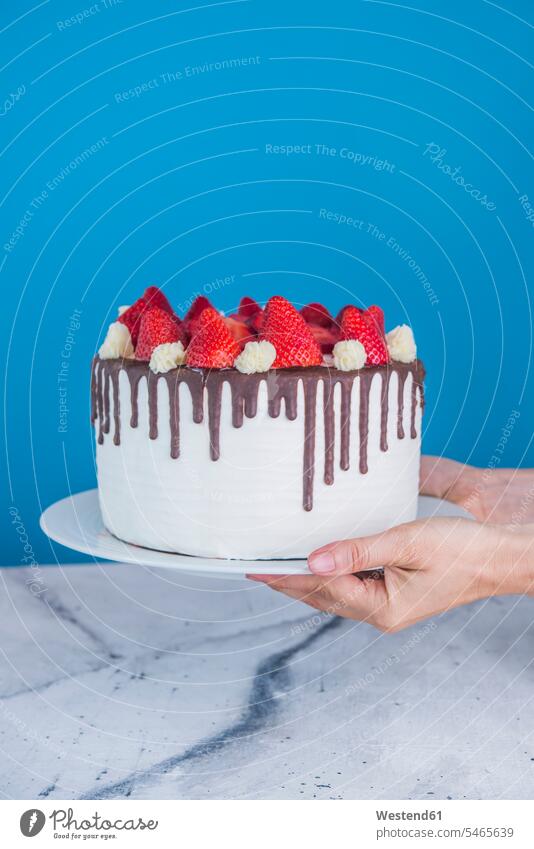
513	562
430	566
503	496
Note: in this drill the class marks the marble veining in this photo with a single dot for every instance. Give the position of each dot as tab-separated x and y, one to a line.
271	678
124	682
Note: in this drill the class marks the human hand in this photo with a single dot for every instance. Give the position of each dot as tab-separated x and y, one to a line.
429	565
497	495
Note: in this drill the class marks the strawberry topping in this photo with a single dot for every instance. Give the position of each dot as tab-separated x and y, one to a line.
325	337
256	322
363	326
154	297
377	314
317	314
200	303
132	318
300	338
157	327
240	331
286	329
250	311
248	308
193	314
339	316
212	345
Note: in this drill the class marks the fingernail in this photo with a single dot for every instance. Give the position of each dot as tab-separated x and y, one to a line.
322	563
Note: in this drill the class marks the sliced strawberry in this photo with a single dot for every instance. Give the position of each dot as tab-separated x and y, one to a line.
248	308
316	314
358	324
251	312
240	331
157	327
154	297
250	323
285	328
325	337
377	314
212	345
200	303
193	314
341	313
132	318
184	336
256	322
374	312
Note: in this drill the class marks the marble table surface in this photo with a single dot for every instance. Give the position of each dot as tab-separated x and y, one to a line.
124	682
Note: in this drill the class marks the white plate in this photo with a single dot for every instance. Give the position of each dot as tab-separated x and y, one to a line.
76	522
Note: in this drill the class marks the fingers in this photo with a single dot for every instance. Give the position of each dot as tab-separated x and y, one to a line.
307	588
362	599
344	557
439	476
303	588
304	585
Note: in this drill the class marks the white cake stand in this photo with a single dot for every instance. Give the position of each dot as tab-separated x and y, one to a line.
76	523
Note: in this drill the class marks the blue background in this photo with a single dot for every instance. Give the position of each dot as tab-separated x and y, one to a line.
180	192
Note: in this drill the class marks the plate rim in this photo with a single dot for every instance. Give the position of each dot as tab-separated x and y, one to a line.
186	563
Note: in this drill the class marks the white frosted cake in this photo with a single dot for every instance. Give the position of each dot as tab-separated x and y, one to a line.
261	435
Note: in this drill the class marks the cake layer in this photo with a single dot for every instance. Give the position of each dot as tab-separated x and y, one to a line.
223	464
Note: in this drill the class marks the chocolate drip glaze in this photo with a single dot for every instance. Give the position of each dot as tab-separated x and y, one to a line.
310	406
282	386
134	378
401	377
329	432
100	406
105	424
214	389
251	398
415	389
93	394
365	387
384	410
116	408
344	425
153	383
174	415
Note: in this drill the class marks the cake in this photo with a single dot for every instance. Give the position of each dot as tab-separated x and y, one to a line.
263	434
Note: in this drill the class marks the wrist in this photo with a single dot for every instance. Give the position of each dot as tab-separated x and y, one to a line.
514	559
473	482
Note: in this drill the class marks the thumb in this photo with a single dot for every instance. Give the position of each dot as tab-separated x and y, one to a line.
347	556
